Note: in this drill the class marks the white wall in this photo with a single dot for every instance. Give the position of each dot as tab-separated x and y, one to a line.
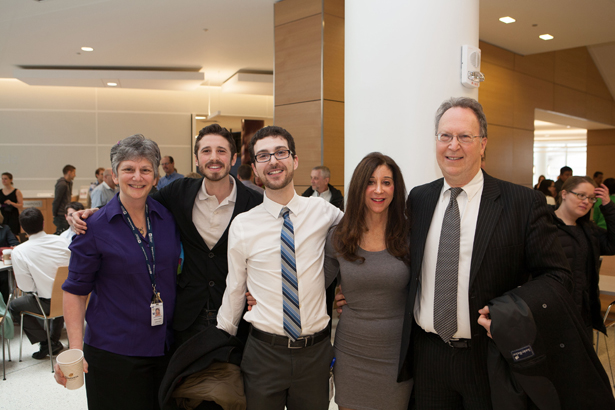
44	128
402	60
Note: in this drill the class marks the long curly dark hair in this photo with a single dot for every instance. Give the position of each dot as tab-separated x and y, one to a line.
351	228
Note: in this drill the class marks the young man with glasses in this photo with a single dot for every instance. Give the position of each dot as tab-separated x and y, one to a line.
276	251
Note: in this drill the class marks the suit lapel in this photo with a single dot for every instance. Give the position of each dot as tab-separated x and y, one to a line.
188	205
488	216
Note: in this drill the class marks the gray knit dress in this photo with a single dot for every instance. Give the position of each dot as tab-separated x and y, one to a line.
368	336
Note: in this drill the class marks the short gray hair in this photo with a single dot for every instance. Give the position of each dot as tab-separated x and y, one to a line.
324	171
133	147
464	102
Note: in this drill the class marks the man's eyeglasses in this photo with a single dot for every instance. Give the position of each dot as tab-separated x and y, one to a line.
463	138
266	157
583	197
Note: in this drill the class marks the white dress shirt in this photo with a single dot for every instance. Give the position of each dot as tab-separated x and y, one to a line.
469	205
68	234
254	263
326	195
36	262
211	217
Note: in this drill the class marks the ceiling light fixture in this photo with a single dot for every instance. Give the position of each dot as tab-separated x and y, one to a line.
507	20
546	37
199	117
112	84
87	49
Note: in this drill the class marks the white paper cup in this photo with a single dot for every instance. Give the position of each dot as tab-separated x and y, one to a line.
6	256
71	364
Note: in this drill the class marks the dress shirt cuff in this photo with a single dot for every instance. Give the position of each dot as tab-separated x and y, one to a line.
227	326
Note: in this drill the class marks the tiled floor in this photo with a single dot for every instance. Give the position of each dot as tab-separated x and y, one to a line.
30	384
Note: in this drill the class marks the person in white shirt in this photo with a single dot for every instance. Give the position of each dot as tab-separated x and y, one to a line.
35	264
272	248
105	191
70	232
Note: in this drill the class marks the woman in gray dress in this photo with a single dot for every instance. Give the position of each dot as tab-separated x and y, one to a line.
369	251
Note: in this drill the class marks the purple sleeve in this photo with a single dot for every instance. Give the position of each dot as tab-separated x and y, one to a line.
85	260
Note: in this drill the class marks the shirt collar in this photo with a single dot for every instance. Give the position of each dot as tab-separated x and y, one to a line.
105	185
471	188
112	208
274	208
37	235
231	198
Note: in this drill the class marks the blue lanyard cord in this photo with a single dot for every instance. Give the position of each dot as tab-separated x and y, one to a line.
151	265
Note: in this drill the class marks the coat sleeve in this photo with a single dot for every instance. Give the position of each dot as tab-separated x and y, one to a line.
606	236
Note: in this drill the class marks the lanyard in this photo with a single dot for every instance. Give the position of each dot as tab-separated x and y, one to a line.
151	265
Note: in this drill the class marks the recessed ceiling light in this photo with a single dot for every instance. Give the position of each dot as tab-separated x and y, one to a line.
112	84
87	48
200	118
546	37
507	20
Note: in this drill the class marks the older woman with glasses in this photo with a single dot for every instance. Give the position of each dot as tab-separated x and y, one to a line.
584	242
128	261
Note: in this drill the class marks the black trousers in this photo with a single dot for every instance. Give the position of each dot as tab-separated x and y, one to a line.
122	382
33	327
276	376
60	223
445	377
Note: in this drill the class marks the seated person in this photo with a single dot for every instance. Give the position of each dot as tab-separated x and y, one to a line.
70	232
7	239
35	264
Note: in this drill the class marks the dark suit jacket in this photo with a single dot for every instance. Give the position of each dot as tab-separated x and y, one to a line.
515	240
203	278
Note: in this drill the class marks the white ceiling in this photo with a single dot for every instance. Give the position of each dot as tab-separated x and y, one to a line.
170	35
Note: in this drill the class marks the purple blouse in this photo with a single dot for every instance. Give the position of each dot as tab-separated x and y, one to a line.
108	262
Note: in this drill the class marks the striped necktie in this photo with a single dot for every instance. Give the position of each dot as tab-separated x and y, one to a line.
447	271
290	284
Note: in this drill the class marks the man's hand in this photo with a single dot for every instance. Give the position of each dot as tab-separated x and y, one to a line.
251	301
340	300
485	320
602	192
79	218
59	376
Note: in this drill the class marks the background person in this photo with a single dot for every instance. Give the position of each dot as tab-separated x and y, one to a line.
584	242
369	249
7	239
62	197
565	172
35	263
70	209
598	176
125	345
319	178
105	191
540	179
11	203
244	174
99	179
598	217
168	165
547	187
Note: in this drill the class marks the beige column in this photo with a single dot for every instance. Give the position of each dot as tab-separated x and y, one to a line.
309	83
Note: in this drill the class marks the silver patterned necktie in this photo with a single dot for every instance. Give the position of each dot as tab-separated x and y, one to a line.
290	284
447	271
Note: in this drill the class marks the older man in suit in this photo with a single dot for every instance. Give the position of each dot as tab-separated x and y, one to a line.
474	238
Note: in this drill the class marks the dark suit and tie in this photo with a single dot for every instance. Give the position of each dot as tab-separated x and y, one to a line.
513	241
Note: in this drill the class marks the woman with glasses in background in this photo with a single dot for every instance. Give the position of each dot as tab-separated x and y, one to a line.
584	242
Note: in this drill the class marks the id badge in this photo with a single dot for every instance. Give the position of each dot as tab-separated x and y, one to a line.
157	313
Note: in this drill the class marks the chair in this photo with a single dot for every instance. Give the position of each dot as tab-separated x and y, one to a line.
4	317
55	309
609	321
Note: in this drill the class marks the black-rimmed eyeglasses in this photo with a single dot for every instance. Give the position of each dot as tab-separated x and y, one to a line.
266	156
583	197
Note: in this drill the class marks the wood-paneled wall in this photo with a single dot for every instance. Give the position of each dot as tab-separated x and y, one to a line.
309	83
565	81
601	152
